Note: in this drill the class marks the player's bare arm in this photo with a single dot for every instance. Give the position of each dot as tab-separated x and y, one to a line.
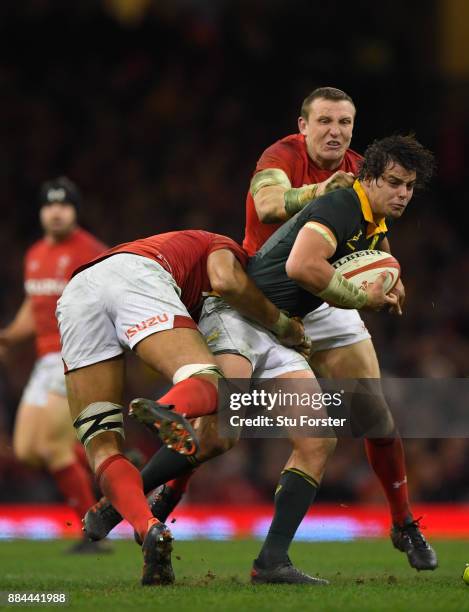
20	329
276	200
230	281
399	289
308	266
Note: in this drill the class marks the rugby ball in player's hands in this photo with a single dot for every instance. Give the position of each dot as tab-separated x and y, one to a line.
363	267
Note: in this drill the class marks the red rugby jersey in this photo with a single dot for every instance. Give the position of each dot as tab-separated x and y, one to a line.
48	267
291	156
184	255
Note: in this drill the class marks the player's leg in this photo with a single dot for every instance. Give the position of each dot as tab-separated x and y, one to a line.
231	339
168	342
173	352
358	360
167	352
386	455
295	492
165	497
29	416
181	355
128	301
95	399
344	350
217	325
56	443
240	347
27	422
93	354
44	437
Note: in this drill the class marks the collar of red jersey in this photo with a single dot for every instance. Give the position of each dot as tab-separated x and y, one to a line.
372	228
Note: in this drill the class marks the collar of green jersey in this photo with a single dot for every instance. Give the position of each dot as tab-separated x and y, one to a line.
372	228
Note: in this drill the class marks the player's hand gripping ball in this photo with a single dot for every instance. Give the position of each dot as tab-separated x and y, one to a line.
465	575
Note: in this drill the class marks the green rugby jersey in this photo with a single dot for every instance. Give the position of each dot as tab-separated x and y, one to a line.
347	213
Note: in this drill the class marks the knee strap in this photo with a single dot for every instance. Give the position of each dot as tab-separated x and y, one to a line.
192	369
98	418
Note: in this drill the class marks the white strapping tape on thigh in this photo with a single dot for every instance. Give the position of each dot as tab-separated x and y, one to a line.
98	418
191	369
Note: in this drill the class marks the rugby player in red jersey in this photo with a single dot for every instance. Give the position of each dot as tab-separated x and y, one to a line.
140	296
43	434
303	166
290	174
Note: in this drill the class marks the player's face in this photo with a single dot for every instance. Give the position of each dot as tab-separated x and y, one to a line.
391	192
58	219
328	131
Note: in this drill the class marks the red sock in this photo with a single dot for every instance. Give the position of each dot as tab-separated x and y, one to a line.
122	484
192	397
74	483
179	485
80	455
386	456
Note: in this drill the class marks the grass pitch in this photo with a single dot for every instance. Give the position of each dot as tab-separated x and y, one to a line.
365	576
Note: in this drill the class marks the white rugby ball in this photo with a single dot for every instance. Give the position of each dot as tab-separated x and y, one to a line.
363	267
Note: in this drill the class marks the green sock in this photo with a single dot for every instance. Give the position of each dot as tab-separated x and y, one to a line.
294	495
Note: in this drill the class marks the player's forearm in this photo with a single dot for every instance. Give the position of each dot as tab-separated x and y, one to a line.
313	275
22	326
274	197
276	204
270	204
241	293
228	279
319	278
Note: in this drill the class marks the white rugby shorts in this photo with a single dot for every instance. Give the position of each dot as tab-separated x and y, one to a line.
47	377
330	327
226	331
113	305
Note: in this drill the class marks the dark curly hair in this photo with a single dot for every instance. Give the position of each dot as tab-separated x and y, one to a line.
404	150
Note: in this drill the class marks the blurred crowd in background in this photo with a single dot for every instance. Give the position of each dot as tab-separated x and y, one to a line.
159	110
